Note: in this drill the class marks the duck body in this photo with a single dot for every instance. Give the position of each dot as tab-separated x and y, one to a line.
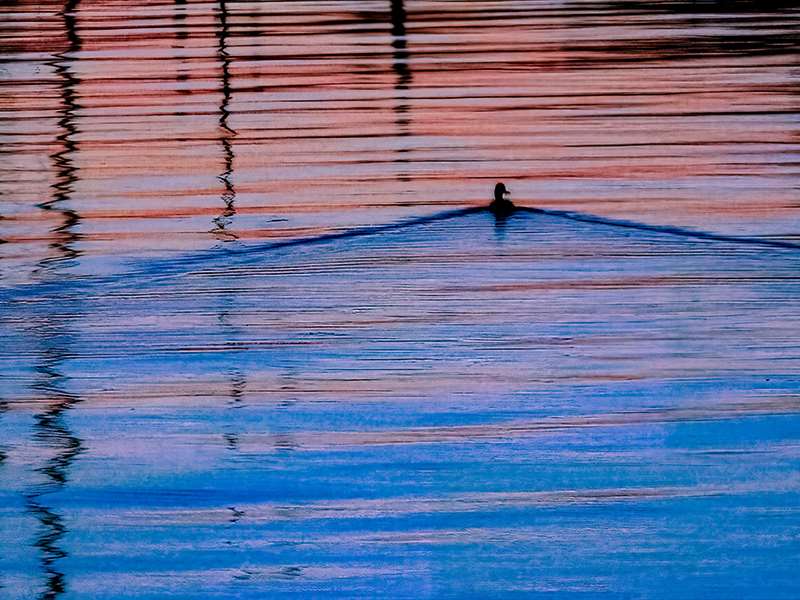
501	206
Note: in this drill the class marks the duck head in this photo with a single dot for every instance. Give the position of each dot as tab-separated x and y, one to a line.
501	193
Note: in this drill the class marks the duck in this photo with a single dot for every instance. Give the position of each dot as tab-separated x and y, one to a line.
501	206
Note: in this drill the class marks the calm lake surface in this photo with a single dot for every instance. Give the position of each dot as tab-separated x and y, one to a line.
259	340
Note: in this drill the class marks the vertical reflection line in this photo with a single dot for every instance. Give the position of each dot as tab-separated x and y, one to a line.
63	159
3	450
402	69
179	17
181	35
50	384
51	431
3	457
238	384
236	376
183	68
228	197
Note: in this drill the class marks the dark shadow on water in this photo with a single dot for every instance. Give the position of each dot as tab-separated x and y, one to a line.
181	29
401	54
402	67
500	226
400	58
179	18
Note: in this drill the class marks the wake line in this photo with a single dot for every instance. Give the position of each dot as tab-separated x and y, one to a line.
665	229
355	232
258	249
167	268
164	269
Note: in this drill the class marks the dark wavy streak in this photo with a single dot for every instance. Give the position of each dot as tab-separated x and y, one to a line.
47	543
52	331
227	133
51	431
63	159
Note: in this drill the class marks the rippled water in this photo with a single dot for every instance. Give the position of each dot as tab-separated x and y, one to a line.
259	340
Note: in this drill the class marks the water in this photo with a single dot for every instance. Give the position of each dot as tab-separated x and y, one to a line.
221	374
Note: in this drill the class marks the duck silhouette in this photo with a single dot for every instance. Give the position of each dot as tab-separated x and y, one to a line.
501	206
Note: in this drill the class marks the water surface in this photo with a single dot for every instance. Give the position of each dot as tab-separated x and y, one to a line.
164	126
223	374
